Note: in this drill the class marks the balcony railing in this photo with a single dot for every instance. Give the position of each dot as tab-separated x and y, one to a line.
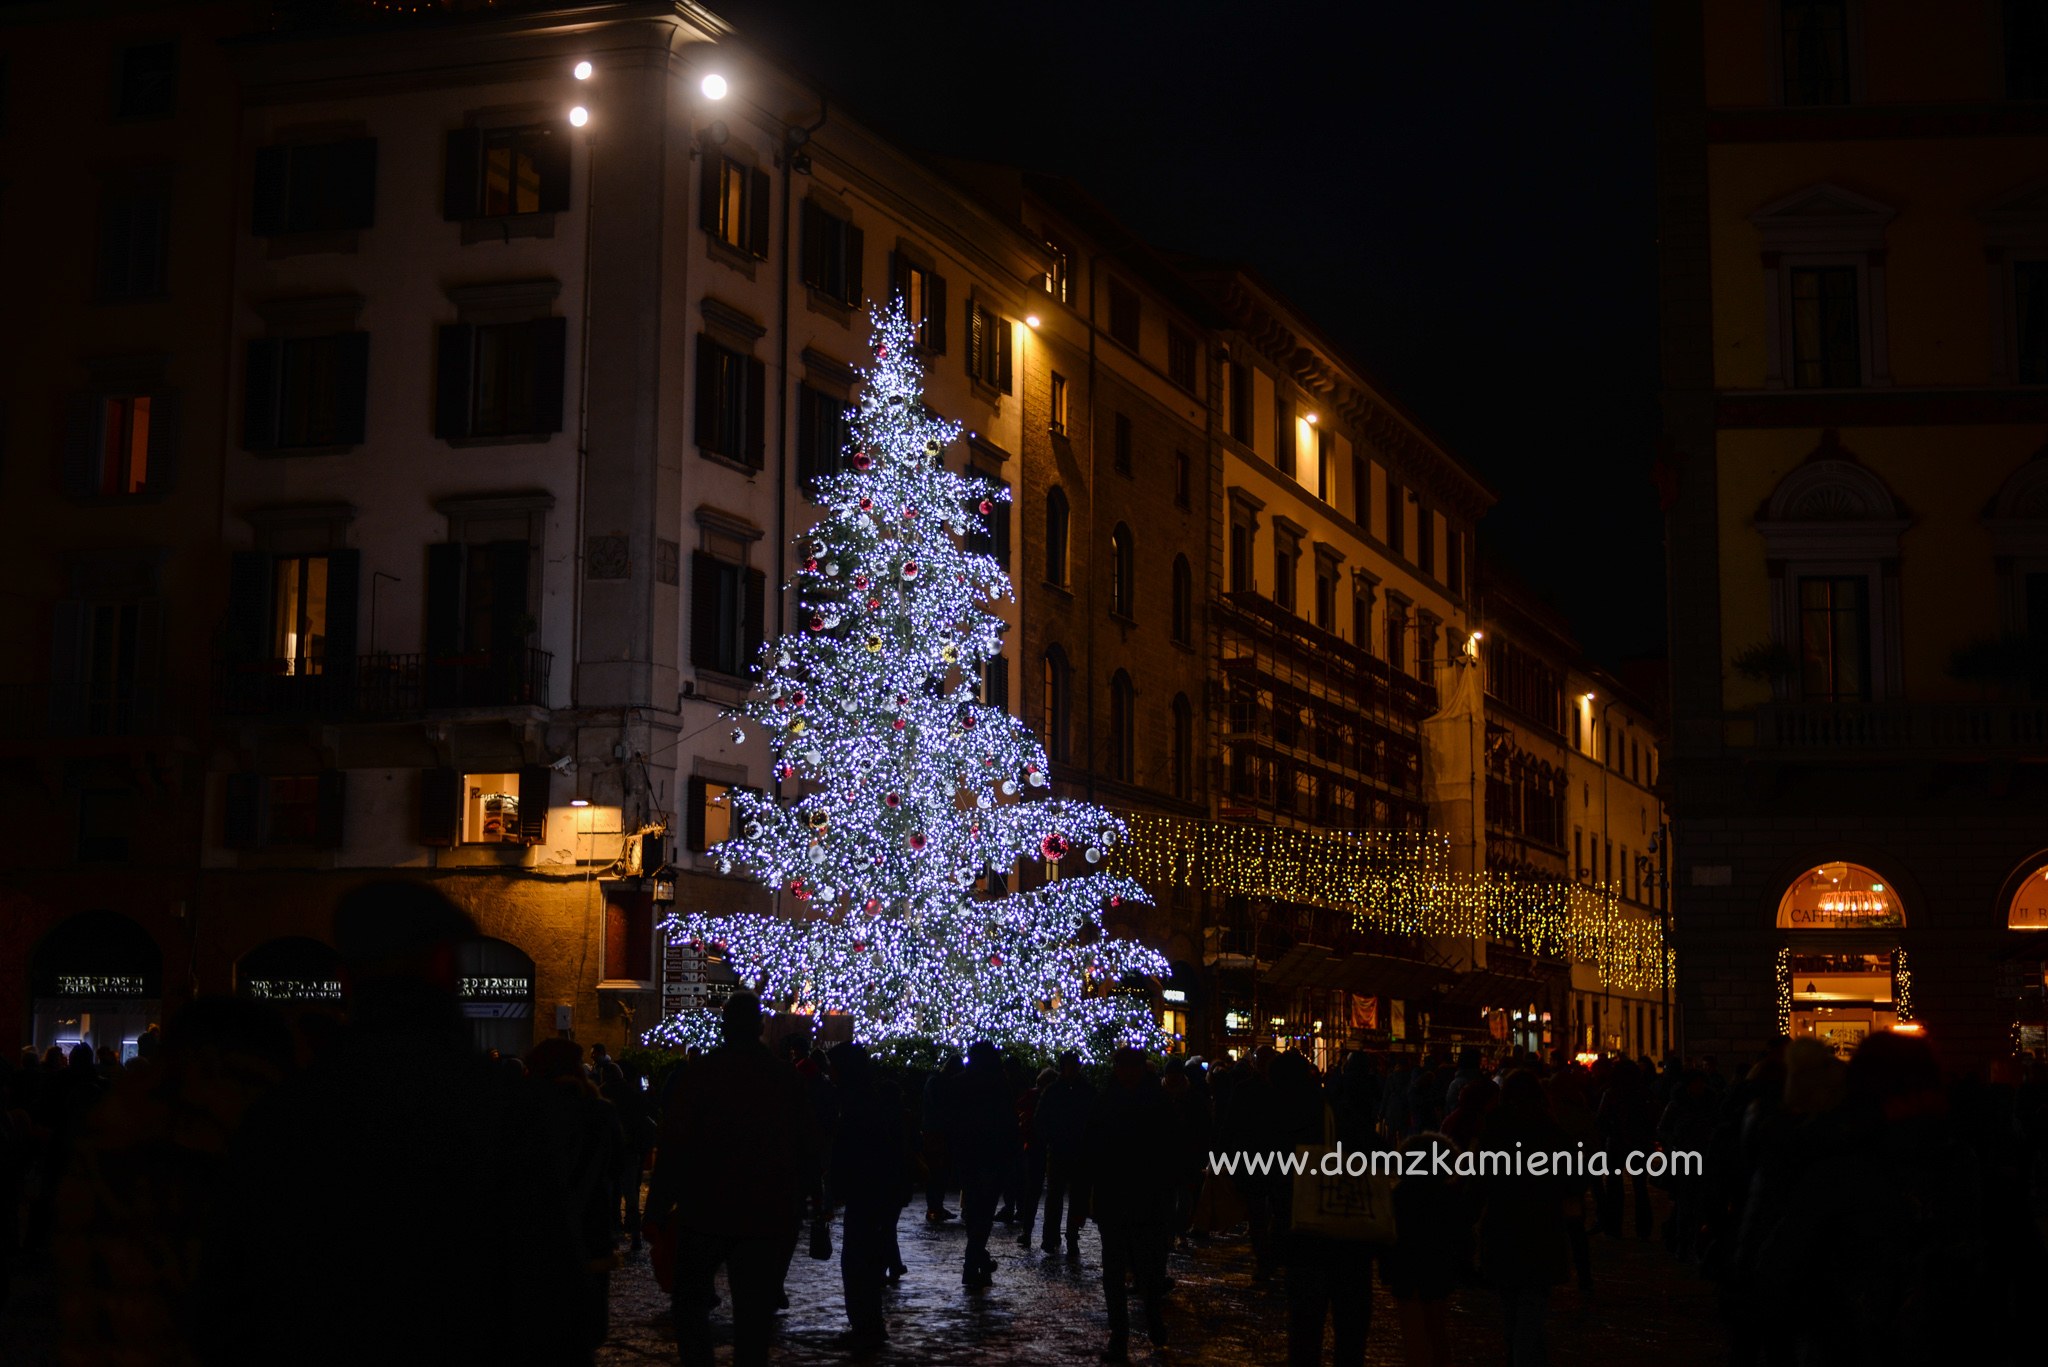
1929	727
34	712
383	685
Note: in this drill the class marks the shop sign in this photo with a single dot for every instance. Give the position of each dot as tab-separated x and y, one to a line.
497	989
293	990
100	985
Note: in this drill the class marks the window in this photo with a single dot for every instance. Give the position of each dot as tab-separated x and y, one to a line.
105	819
1183	756
1286	441
1123	314
1425	647
501	379
731	404
105	665
1123	573
1180	356
1361	618
120	445
710	812
736	205
988	349
1326	594
319	187
146	81
1244	528
1057	702
995	682
1057	523
923	292
1397	517
294	815
1122	728
821	437
726	606
1326	466
1454	562
1240	403
1059	270
134	243
1425	540
302	810
1059	403
1286	559
1814	49
832	250
1397	634
1122	440
490	809
1361	493
506	172
481	604
298	596
2030	315
1834	633
2025	36
1826	340
1183	480
989	534
306	392
1183	601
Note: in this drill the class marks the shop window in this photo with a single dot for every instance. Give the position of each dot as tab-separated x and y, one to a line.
1840	896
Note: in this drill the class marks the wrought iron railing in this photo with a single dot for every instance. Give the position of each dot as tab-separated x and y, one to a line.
383	685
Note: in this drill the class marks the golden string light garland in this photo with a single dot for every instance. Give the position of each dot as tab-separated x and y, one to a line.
1399	882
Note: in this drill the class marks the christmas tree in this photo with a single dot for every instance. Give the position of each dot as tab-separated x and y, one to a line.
908	799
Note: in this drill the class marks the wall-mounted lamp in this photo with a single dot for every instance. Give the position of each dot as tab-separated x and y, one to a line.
579	116
1311	419
579	802
582	71
1031	320
714	87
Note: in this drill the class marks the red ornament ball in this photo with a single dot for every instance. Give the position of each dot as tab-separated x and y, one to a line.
1053	847
995	960
1116	901
893	800
860	947
874	603
987	507
862	461
817	622
917	840
873	906
899	723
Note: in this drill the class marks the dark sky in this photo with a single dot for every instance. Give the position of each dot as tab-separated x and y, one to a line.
1458	192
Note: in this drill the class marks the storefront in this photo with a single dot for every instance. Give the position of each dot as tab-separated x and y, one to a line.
97	979
496	981
1842	969
291	971
2024	964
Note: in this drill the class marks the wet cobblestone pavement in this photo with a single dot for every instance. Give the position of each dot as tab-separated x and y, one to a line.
1646	1309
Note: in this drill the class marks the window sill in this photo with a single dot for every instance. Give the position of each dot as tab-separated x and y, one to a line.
985	391
1065	591
507	227
726	254
147	498
1123	618
317	242
289	452
831	306
509	439
720	458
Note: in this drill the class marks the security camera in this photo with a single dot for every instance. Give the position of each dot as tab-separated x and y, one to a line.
565	765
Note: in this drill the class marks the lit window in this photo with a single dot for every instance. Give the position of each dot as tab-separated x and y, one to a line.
123	446
1059	403
299	632
490	809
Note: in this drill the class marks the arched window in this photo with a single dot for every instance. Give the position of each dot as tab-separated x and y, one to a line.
1839	897
1057	701
1183	601
1057	521
1122	728
1123	572
1183	746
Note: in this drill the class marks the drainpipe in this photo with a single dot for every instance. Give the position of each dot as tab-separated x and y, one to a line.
1094	499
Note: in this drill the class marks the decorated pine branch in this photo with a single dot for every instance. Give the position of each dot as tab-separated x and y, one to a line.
914	790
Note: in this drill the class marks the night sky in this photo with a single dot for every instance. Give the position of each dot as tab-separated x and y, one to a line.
1459	193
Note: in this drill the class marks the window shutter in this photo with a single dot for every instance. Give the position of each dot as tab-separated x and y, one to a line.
975	341
550	371
461	180
707	393
1283	432
999	532
693	819
808	438
705	574
710	187
759	205
757	414
267	201
451	389
82	445
935	315
356	166
996	688
248	624
162	475
552	161
855	245
259	395
352	387
241	826
444	598
330	808
535	781
756	606
813	252
440	806
1003	329
344	576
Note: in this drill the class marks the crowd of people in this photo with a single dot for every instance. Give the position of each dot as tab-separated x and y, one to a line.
375	1188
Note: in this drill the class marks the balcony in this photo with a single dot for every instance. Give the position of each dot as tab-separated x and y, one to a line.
1956	730
370	687
64	712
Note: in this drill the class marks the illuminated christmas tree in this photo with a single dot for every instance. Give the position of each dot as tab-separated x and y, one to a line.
917	798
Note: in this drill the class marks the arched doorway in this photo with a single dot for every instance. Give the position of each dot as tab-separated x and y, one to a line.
497	994
291	970
1842	973
97	979
2023	963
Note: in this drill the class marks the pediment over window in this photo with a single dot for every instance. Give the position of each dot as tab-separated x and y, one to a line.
2018	516
1823	218
1831	505
2019	218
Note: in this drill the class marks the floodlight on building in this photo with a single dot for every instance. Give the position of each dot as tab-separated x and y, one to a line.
583	70
1031	320
579	116
1311	420
579	802
714	87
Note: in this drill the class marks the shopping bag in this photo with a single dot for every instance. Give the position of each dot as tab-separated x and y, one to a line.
1359	1209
